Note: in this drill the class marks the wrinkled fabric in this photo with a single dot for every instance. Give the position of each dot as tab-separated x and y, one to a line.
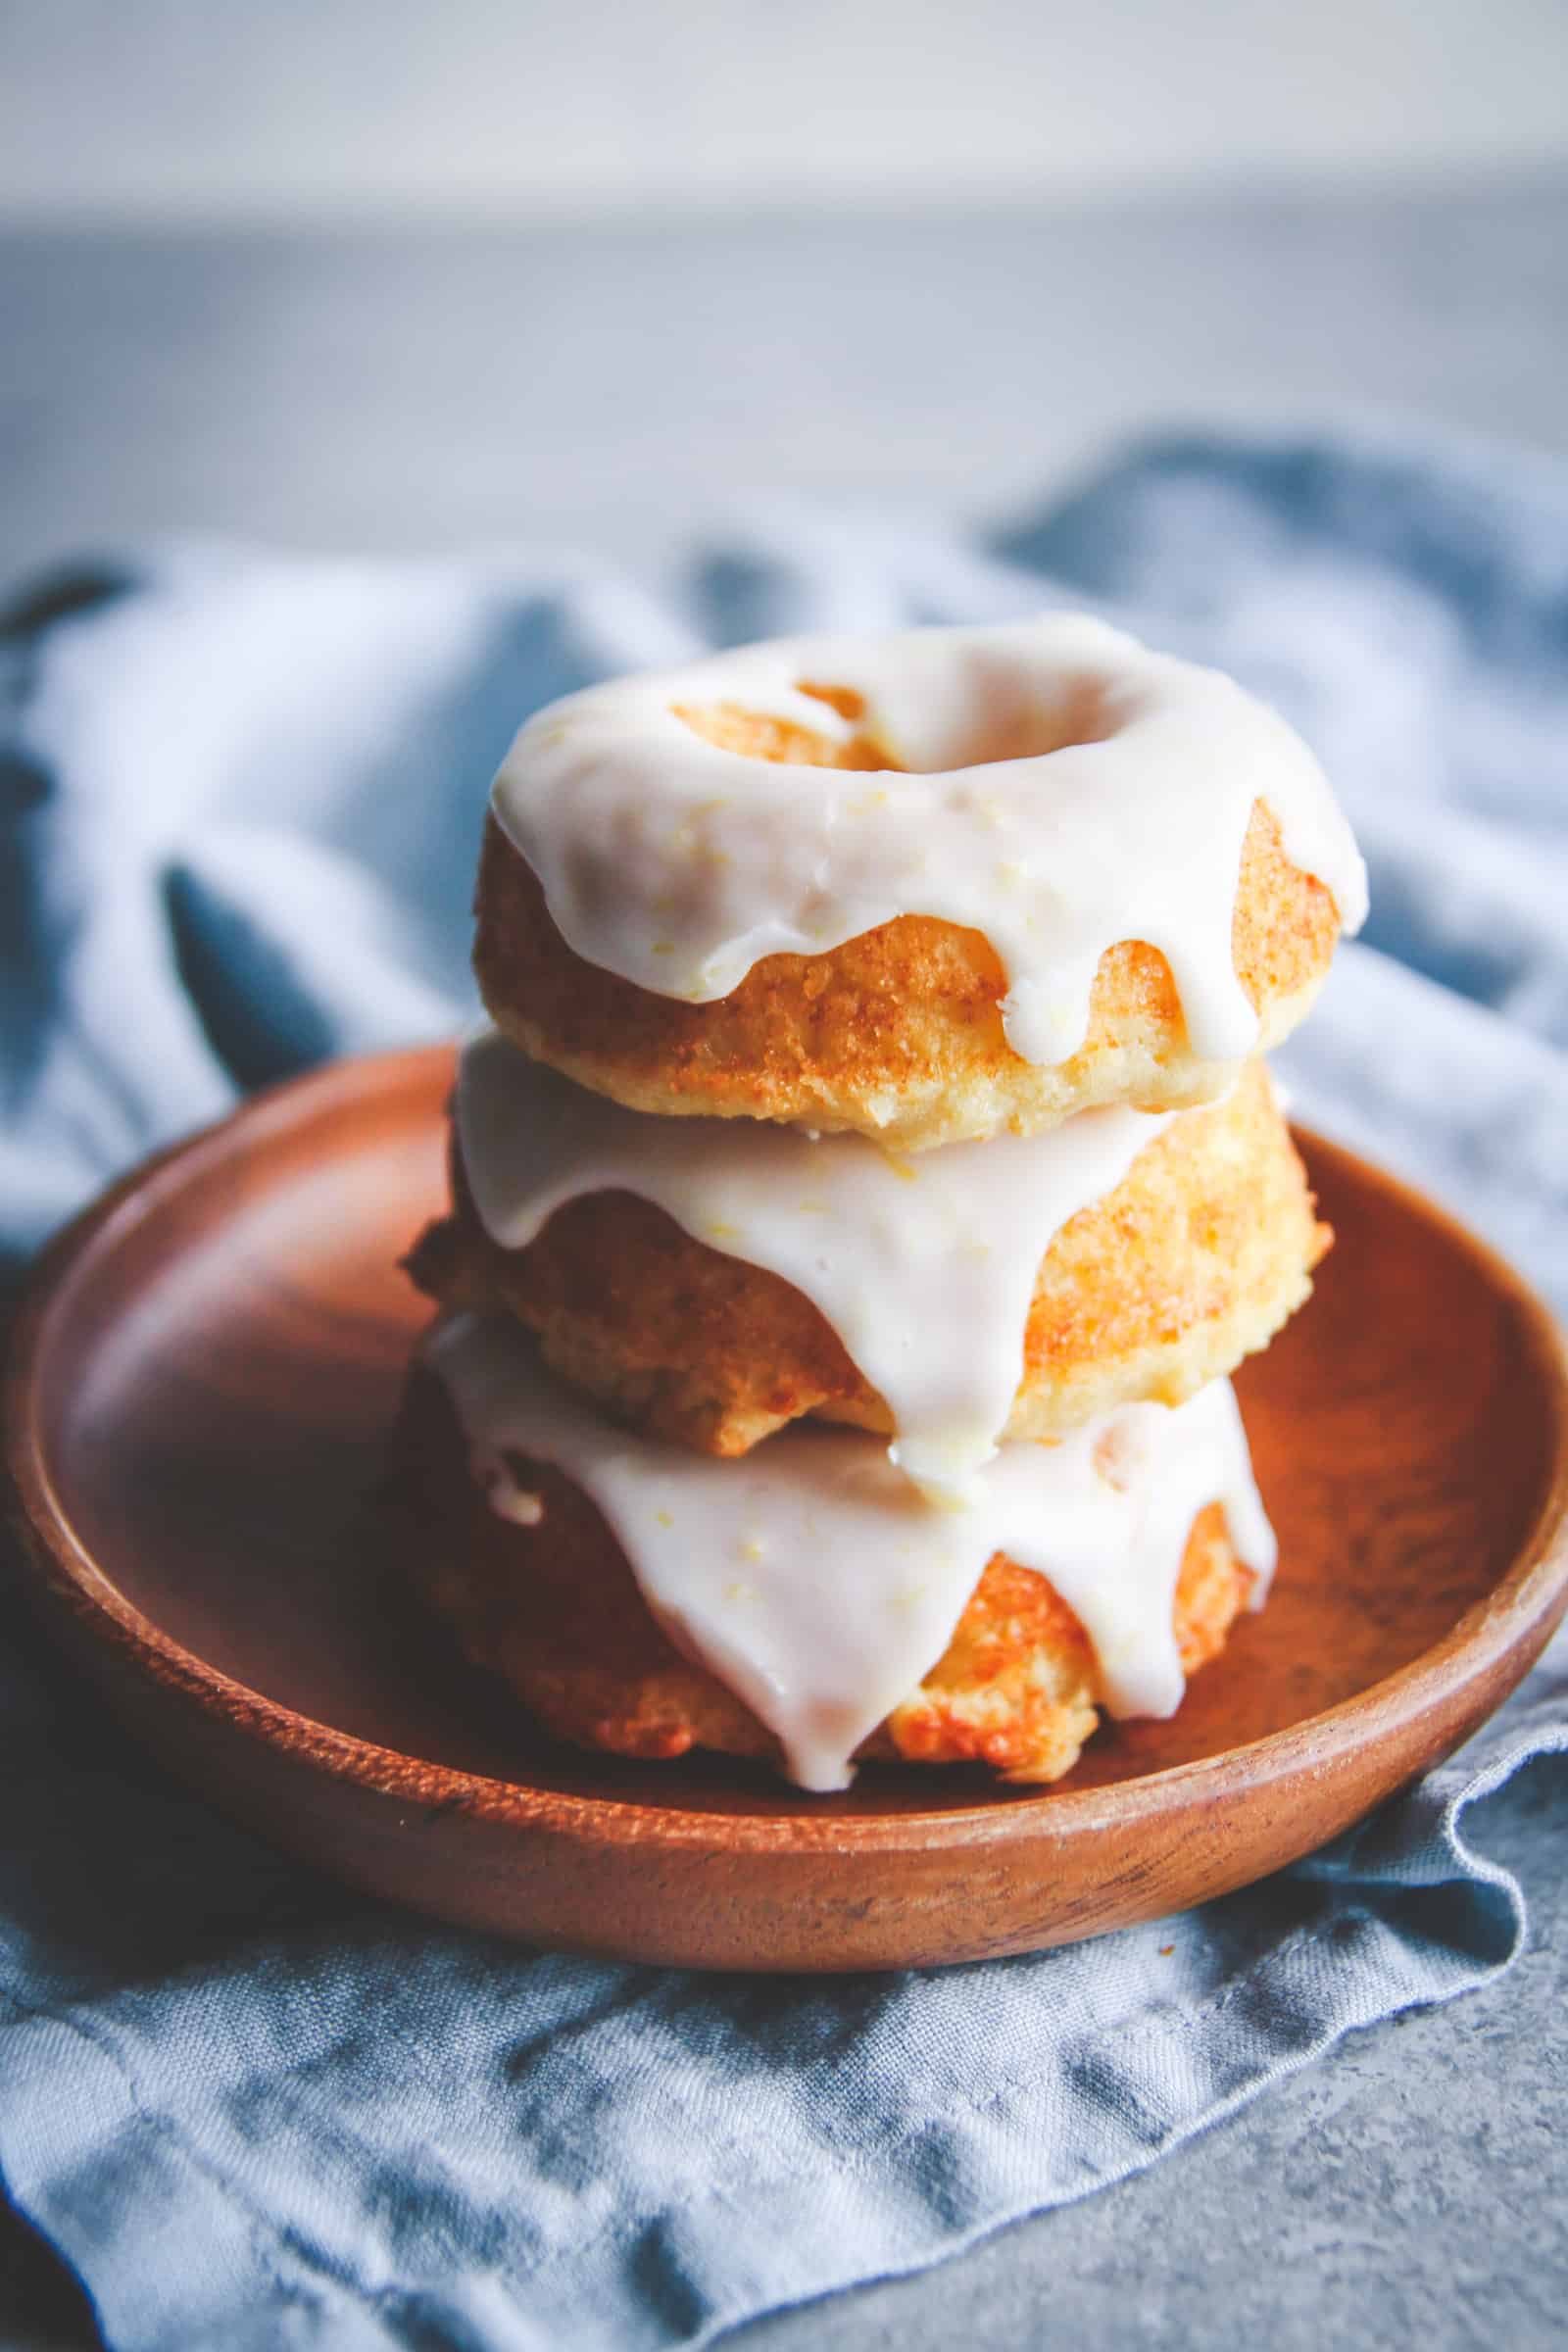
241	799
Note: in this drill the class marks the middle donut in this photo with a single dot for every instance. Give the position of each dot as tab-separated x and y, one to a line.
710	1281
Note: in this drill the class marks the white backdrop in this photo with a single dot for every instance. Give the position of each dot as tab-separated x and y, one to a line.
218	108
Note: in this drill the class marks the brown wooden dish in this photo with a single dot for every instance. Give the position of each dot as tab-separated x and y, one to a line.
202	1390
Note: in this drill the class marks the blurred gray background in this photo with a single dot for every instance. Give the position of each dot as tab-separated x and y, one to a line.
370	273
384	274
187	109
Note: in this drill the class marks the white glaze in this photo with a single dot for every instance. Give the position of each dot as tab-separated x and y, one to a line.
678	865
810	1578
925	1267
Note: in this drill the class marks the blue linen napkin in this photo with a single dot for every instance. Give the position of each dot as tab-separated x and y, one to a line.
241	797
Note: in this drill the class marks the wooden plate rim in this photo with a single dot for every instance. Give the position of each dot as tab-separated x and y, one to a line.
1519	1606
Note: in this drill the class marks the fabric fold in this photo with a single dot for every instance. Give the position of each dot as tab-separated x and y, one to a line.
242	796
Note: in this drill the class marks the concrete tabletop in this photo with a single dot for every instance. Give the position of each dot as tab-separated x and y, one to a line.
620	389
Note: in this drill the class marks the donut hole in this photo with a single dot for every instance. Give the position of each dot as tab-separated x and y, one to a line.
1004	718
845	700
1013	718
759	735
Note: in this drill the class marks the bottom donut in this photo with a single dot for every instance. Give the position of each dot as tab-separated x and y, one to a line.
806	1606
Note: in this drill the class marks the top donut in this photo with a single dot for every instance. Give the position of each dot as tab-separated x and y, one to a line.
925	887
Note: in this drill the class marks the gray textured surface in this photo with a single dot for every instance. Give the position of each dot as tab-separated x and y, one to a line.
619	388
1407	2191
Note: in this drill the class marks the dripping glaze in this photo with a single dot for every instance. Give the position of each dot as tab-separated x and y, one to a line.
814	1581
1054	784
925	1267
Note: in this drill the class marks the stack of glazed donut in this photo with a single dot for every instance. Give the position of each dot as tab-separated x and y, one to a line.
867	1184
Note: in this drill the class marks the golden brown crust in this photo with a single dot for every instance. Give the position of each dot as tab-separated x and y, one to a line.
1191	1262
897	1033
555	1611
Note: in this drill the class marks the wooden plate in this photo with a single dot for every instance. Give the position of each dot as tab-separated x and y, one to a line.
203	1382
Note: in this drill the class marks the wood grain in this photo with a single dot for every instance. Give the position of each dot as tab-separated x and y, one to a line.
204	1381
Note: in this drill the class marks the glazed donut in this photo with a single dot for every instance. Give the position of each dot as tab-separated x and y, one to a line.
929	887
1017	1288
554	1609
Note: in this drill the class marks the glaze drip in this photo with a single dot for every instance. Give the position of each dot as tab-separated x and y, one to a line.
812	1579
925	1267
1054	784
